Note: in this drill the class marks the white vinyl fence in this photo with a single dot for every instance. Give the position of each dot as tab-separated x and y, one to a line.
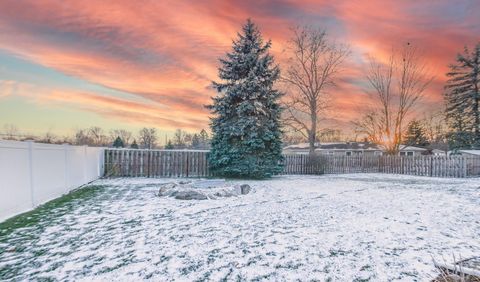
33	173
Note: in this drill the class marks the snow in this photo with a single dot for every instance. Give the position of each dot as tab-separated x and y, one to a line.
470	152
338	227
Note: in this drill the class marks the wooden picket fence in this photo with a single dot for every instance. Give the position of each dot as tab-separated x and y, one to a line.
434	166
156	163
193	163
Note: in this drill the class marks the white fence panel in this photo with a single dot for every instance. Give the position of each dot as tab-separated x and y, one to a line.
15	186
33	173
76	166
48	166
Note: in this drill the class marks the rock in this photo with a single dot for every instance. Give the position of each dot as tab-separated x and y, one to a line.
166	189
163	191
201	190
245	189
169	185
242	189
189	195
224	193
214	183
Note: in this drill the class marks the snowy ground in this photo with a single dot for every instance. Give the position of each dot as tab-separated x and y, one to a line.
340	228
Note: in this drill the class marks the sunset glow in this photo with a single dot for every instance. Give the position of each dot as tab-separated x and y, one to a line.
130	64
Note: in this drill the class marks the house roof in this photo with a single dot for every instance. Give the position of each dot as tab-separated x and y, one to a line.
411	148
349	146
470	152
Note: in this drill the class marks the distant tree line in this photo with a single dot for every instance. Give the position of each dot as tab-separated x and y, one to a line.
185	140
146	138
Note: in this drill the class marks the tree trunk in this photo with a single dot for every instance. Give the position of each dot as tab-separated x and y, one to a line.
312	134
311	141
476	112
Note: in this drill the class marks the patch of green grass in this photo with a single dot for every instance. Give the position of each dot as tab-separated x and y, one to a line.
57	207
27	228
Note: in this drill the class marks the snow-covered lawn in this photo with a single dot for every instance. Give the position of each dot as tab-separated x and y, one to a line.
345	227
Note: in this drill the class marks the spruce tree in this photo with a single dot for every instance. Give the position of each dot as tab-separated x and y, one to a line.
118	143
462	95
246	139
169	145
415	135
134	145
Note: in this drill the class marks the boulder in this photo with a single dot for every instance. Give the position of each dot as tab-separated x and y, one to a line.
242	189
224	193
210	183
166	189
189	195
245	189
201	190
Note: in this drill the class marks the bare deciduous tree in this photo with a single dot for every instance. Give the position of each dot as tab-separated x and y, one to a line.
10	132
125	135
97	136
81	137
148	138
436	129
331	135
397	86
179	138
312	70
48	137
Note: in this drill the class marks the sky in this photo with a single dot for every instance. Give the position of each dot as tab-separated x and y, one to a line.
127	64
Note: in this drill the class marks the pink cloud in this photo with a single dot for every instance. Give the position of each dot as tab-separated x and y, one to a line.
167	51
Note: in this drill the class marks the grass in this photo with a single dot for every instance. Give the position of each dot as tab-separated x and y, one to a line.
60	205
35	221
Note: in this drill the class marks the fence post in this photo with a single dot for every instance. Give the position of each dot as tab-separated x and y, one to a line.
431	166
187	163
84	163
141	163
65	171
363	162
30	171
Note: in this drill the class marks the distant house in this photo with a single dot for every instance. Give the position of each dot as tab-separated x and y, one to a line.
411	150
350	149
475	153
437	152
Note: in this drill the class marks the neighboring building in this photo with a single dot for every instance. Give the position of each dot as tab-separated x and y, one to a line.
411	150
475	153
437	152
350	149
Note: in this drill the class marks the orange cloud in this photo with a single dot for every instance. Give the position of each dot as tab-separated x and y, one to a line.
166	52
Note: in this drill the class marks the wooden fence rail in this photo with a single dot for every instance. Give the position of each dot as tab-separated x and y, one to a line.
193	163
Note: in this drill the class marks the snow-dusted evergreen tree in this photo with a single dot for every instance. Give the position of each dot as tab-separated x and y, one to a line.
415	135
462	97
169	145
246	139
118	143
134	144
